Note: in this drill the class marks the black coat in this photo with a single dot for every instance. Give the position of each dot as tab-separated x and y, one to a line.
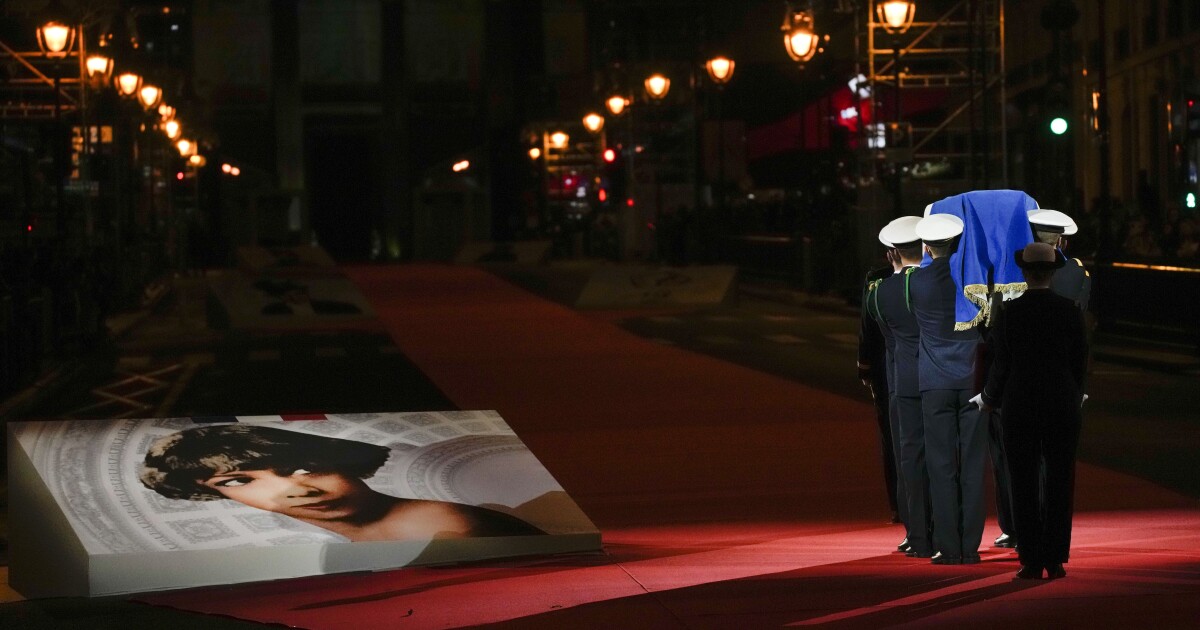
1040	354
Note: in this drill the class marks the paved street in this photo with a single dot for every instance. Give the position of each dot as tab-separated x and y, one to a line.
168	363
1140	420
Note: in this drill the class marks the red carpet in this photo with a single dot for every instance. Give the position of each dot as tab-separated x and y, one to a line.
727	497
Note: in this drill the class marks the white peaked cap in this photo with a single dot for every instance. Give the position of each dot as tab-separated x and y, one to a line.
928	209
939	227
900	232
1053	220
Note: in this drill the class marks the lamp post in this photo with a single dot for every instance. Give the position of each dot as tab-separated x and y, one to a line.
896	17
657	87
128	83
593	122
55	40
720	72
616	104
99	69
149	96
800	38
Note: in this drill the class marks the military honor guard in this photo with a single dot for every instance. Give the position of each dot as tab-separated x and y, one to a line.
955	432
1073	281
873	372
889	303
1036	378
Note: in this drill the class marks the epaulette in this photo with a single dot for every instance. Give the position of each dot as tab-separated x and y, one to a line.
1080	263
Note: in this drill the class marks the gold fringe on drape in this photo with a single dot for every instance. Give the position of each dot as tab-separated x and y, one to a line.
981	297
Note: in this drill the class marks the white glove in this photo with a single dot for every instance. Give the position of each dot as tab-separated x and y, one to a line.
978	400
1085	397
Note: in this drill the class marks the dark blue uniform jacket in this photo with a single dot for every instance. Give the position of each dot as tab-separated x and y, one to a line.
947	357
890	306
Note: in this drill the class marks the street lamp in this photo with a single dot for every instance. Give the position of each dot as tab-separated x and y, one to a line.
720	69
593	122
559	139
197	160
896	15
534	153
800	38
173	129
166	112
657	86
616	104
128	84
99	68
149	96
55	39
187	148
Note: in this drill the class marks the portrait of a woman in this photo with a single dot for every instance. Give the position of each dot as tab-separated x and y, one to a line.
311	478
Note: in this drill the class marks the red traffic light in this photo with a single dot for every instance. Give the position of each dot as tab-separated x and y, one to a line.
602	195
610	156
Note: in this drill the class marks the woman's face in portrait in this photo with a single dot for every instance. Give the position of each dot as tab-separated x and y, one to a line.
301	494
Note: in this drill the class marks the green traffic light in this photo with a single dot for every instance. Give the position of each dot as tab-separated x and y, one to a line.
1058	126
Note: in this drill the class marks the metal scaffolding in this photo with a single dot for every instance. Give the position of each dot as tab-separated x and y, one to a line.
953	65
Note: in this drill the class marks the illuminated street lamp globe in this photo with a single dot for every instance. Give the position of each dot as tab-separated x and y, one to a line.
173	129
187	148
99	68
197	160
55	39
150	96
593	122
559	139
166	112
720	69
534	153
799	36
128	84
616	104
657	86
895	15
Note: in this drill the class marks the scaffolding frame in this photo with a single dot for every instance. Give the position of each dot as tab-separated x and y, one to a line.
962	52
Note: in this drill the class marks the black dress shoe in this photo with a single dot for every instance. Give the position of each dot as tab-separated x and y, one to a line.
1005	541
913	553
940	558
971	559
1030	572
903	547
1055	571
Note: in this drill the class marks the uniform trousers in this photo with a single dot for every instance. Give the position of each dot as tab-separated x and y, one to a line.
955	450
1000	474
887	446
1041	446
913	472
900	500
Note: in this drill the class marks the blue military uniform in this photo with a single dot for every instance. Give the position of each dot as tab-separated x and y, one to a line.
955	432
890	305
